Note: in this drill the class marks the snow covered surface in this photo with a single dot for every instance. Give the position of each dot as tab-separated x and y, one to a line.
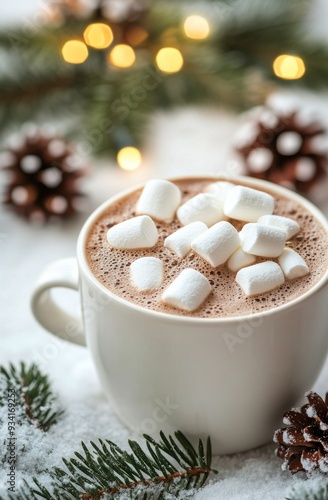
25	249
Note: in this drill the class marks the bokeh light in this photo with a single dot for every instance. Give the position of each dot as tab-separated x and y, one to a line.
169	60
289	67
196	27
75	52
129	158
122	56
98	35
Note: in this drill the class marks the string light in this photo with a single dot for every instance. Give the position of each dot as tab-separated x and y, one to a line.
122	56
136	35
289	67
196	27
98	35
169	60
129	158
75	52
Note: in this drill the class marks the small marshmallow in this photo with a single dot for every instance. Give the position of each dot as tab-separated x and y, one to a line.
220	189
204	207
188	291
262	240
146	273
159	199
240	259
290	226
292	264
138	232
248	204
217	244
180	241
260	278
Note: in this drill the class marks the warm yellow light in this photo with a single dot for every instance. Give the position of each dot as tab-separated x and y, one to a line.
169	60
98	35
75	52
129	158
196	27
122	56
289	67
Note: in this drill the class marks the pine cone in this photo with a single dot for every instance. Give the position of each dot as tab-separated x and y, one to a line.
284	148
303	444
43	177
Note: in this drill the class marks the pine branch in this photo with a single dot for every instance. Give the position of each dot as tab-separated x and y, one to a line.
31	393
309	494
106	471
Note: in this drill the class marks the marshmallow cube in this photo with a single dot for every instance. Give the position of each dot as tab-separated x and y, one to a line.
247	204
204	207
159	199
260	278
217	244
292	264
289	225
220	189
262	240
188	291
240	259
180	241
138	232
146	273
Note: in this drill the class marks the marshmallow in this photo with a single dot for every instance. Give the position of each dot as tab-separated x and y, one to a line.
248	204
240	259
217	244
146	273
260	278
204	207
290	226
180	241
220	189
262	240
138	232
292	264
188	291
159	199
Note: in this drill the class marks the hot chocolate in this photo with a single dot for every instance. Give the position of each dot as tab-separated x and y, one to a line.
111	266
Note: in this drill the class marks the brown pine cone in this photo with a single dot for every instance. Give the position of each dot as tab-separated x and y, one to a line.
303	444
43	172
288	149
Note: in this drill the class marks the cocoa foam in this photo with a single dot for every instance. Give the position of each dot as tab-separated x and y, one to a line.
111	266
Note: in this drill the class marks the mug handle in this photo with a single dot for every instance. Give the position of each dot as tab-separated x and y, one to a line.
63	273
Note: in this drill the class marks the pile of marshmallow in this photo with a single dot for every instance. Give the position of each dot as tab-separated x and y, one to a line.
207	232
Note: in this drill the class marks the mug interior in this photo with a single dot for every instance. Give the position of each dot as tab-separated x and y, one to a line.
249	181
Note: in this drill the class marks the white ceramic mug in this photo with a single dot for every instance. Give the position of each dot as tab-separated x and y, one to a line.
230	378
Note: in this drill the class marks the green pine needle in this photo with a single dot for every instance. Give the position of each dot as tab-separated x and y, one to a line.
104	470
29	391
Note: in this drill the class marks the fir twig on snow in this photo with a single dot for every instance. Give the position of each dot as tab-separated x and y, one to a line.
104	470
310	494
34	400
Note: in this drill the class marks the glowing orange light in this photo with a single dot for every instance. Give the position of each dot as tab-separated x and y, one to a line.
196	27
98	35
289	67
129	158
169	60
75	52
122	56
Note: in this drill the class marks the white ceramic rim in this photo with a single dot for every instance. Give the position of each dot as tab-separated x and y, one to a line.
256	183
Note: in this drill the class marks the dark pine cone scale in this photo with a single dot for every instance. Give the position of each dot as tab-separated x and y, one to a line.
303	444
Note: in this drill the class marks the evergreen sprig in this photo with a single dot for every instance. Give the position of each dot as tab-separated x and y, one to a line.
104	470
33	397
310	494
